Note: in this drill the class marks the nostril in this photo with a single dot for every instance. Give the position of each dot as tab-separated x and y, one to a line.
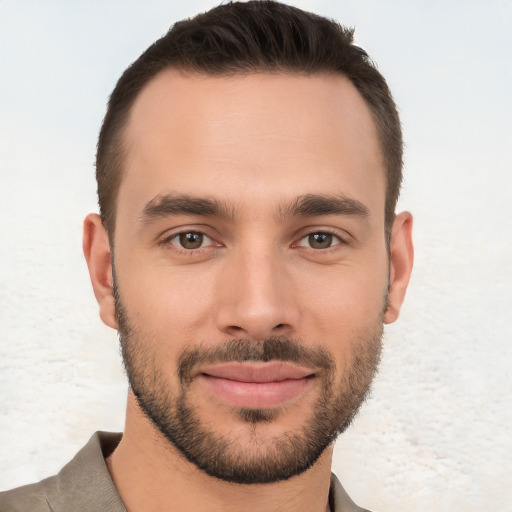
278	326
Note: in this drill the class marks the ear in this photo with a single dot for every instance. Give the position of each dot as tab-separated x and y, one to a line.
401	260
97	253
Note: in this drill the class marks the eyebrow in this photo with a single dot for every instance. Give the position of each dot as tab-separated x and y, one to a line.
183	204
308	205
315	205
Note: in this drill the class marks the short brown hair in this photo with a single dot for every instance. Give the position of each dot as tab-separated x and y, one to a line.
255	36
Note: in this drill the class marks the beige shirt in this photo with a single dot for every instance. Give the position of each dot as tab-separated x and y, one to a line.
85	485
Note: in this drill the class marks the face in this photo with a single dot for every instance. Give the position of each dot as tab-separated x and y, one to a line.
251	269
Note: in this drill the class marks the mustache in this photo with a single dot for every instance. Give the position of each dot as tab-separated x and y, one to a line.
273	348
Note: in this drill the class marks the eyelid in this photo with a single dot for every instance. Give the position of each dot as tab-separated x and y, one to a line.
342	236
336	241
167	237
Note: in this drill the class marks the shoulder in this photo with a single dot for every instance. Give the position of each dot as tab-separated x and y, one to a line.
27	498
84	484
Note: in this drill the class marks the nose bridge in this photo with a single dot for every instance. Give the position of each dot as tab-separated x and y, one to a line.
255	300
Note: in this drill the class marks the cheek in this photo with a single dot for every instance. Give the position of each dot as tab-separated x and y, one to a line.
347	294
166	302
164	315
345	310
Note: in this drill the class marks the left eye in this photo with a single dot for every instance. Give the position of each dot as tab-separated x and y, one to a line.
191	240
319	240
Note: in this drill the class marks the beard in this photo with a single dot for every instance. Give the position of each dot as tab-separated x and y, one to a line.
256	459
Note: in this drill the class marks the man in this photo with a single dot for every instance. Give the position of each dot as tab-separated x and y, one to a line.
248	252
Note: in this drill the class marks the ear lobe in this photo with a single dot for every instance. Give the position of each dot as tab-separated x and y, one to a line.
97	253
401	261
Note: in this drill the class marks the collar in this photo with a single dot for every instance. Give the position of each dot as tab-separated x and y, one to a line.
85	484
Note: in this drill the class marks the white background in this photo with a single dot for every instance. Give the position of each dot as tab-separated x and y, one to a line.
436	434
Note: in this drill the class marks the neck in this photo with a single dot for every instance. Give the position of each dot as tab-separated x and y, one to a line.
150	474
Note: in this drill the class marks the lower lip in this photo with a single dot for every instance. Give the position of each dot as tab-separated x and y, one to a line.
255	395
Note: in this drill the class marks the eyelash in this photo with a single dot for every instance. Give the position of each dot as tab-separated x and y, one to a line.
168	241
339	240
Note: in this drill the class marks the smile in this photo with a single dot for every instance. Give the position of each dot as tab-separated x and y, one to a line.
256	385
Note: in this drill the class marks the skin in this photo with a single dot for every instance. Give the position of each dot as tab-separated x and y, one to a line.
257	143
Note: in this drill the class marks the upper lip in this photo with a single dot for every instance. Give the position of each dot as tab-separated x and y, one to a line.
258	372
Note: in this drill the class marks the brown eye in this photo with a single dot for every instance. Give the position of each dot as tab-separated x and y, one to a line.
191	240
320	240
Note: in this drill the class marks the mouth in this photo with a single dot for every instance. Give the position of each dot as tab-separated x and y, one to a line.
256	385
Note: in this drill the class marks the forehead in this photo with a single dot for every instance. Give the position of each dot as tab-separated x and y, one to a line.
246	138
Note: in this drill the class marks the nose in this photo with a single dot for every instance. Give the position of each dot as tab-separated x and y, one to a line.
256	296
